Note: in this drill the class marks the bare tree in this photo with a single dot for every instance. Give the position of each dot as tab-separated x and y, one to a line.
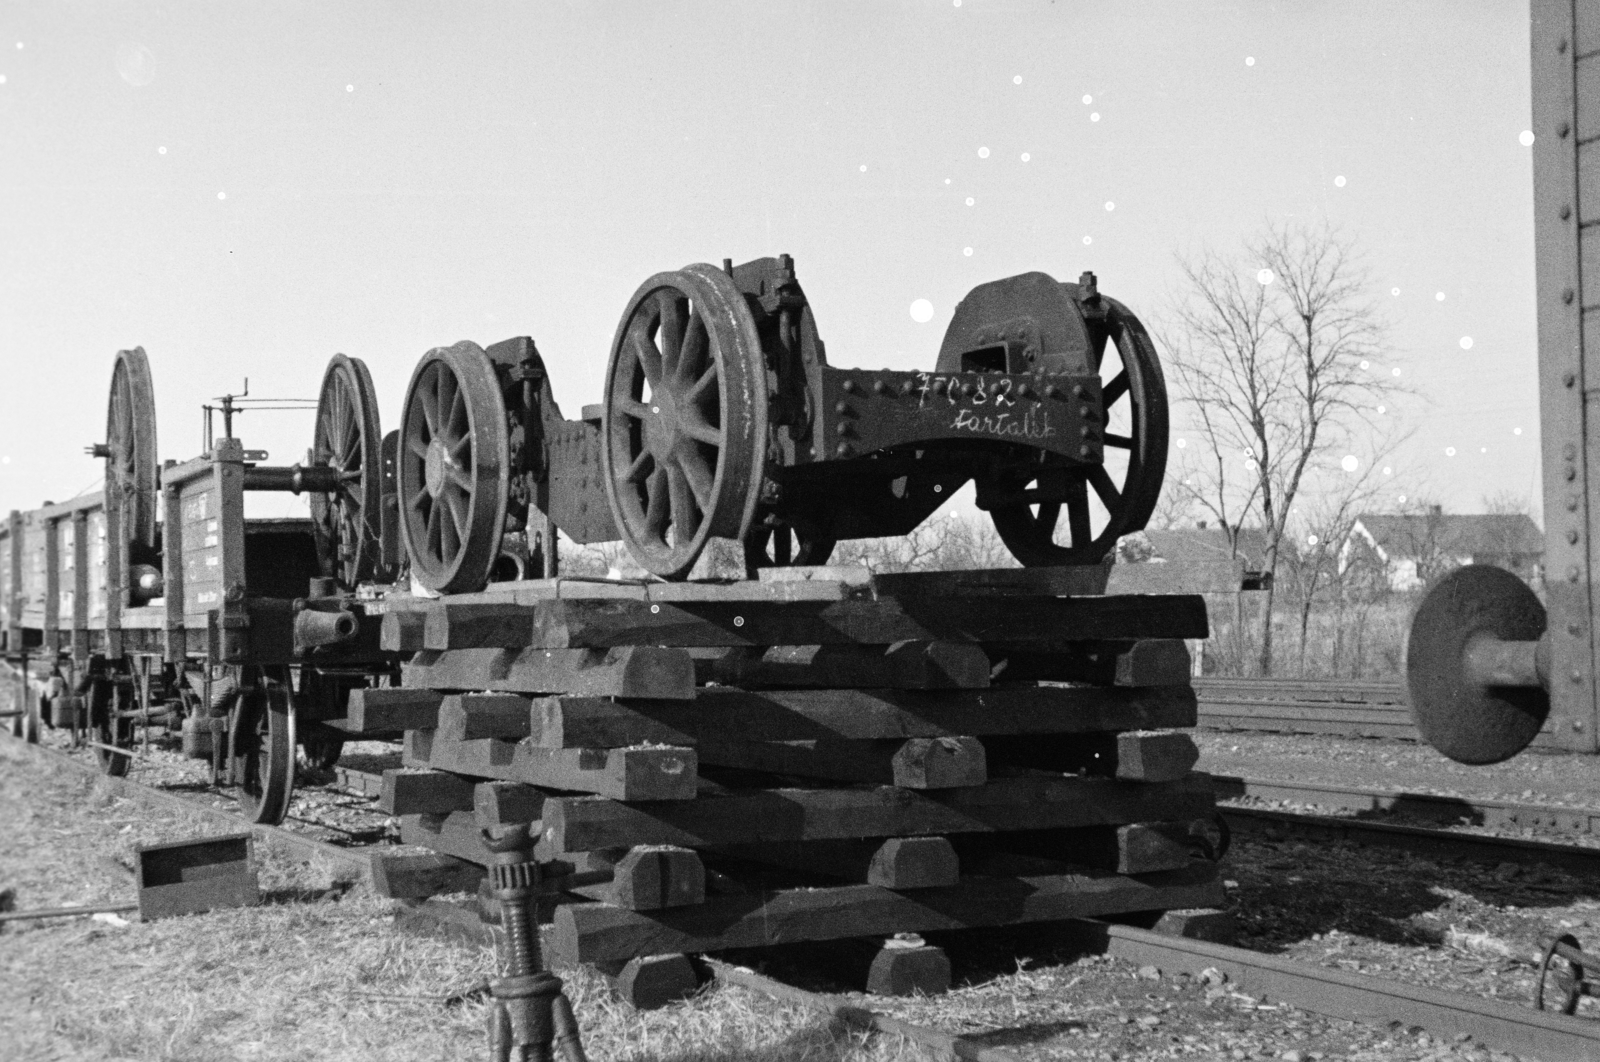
1272	348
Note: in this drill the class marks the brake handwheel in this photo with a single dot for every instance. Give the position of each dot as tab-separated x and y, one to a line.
453	474
261	743
1561	974
1134	393
347	523
685	418
132	473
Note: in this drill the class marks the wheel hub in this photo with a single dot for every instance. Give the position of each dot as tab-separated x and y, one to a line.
661	429
433	468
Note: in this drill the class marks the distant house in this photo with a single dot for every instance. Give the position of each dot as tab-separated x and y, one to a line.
1408	550
1202	543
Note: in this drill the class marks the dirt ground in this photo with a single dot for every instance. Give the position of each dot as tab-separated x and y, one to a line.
301	976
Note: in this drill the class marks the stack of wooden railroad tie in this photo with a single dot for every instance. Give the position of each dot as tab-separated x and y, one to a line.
816	755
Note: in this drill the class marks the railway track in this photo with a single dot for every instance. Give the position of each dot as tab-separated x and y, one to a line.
1329	992
1344	708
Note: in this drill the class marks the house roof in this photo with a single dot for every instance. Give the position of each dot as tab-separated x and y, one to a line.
1463	535
1188	545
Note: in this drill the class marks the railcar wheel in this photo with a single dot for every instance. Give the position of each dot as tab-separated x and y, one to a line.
782	547
1468	722
1125	487
262	744
15	698
453	474
132	473
1561	976
685	418
347	525
108	699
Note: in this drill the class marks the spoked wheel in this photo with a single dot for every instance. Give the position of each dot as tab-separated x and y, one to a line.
131	482
1101	502
108	699
1561	983
453	474
685	419
782	547
262	745
347	524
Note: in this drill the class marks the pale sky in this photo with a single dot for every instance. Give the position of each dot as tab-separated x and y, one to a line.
246	189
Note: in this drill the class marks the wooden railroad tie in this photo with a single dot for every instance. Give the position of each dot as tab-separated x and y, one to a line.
716	621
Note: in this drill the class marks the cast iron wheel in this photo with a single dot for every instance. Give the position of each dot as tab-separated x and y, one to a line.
1561	974
783	547
1467	722
108	699
347	525
685	419
132	474
1135	397
262	744
453	474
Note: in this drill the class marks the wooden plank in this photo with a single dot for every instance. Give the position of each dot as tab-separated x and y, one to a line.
653	773
456	835
1135	756
653	981
1189	577
598	932
563	624
652	878
413	792
504	803
382	711
916	763
625	671
818	715
896	863
573	824
472	716
401	876
1151	662
401	631
1155	755
903	665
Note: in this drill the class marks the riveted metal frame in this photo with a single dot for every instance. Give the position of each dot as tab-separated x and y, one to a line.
1566	238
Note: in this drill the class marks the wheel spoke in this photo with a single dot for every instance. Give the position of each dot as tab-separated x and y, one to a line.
655	515
461	449
428	399
1101	480
1114	390
694	351
458	413
634	408
420	499
459	503
459	477
1078	511
700	480
700	431
644	348
685	514
435	545
706	383
1121	442
640	467
673	314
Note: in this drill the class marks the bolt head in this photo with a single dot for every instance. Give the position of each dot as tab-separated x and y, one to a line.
1563	129
1566	211
1569	378
848	387
1568	295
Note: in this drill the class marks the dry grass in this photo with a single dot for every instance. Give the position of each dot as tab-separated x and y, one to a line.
280	981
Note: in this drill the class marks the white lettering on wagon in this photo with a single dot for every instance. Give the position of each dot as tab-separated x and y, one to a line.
1005	425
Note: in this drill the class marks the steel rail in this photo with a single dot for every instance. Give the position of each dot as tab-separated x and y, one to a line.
136	790
1372	1000
1418	839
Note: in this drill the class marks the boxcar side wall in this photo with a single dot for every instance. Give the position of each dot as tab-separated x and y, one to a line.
1565	61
